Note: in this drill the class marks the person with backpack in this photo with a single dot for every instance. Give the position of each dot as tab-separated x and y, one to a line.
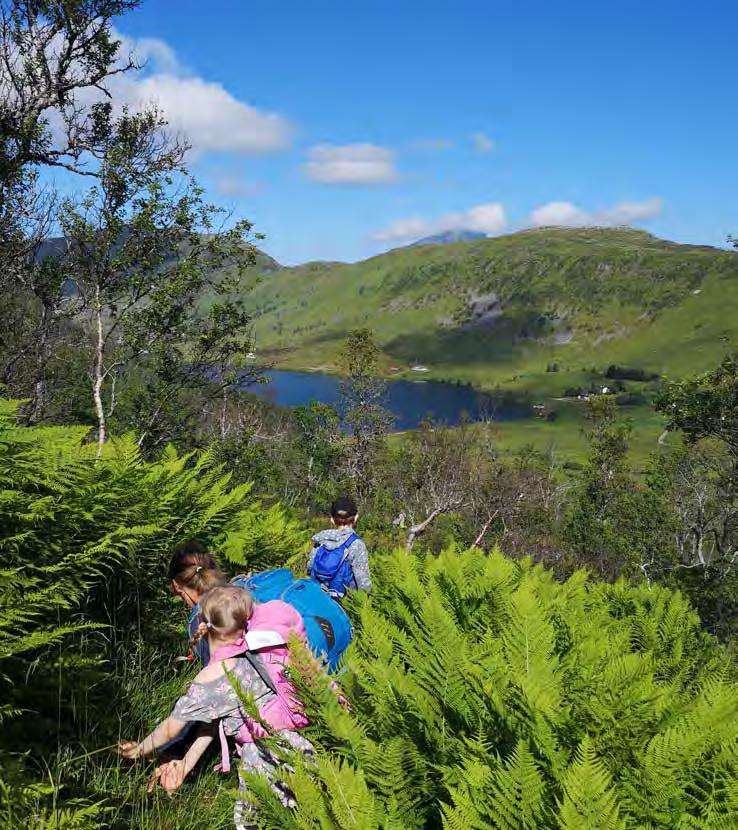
339	561
193	570
227	615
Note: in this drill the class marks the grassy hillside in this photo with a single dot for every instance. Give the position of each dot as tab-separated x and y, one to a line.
499	311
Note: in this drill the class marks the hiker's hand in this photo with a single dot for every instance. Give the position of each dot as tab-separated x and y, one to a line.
129	749
169	775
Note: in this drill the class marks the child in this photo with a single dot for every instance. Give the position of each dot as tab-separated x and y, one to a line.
339	560
212	699
193	571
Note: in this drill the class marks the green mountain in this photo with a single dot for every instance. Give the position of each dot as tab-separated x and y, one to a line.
501	311
448	237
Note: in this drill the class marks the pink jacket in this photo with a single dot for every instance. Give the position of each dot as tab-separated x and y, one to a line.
268	632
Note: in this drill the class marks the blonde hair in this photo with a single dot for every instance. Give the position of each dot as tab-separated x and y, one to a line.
225	611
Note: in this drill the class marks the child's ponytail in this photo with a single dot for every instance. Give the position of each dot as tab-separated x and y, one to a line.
225	610
193	567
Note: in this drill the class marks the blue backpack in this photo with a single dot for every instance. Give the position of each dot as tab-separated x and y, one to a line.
332	569
327	625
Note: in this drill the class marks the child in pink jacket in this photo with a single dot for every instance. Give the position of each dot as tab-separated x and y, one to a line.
235	628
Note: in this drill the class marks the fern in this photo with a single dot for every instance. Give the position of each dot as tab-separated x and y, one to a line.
84	545
485	693
589	801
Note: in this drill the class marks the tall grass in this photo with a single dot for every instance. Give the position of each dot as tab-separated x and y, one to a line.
84	784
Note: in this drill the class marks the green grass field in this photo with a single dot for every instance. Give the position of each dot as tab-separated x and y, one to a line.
499	312
565	437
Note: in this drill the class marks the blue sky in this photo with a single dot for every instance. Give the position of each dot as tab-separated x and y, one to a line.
342	129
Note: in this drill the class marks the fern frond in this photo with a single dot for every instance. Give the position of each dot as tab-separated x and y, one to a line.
589	801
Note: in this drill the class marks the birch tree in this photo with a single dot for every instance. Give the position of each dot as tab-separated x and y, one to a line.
362	407
56	59
154	273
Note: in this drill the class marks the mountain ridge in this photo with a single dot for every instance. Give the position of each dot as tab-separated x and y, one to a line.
448	238
499	310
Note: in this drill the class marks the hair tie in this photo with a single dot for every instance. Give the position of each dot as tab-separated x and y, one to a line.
198	569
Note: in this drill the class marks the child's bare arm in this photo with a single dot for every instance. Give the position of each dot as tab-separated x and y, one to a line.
166	731
172	774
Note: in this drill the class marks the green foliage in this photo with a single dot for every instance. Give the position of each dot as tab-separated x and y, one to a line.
85	542
45	83
296	453
702	489
362	405
705	406
485	694
615	524
589	801
143	249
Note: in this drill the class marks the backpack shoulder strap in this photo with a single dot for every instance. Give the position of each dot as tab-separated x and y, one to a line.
261	670
241	649
346	544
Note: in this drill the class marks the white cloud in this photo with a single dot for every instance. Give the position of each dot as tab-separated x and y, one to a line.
483	143
557	213
209	116
567	214
625	212
350	164
204	112
405	229
487	218
152	52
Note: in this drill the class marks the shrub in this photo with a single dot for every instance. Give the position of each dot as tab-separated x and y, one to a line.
485	694
629	373
84	545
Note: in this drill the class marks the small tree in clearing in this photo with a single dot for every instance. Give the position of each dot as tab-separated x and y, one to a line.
145	251
362	406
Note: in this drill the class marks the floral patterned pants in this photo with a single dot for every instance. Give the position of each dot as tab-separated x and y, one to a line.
258	759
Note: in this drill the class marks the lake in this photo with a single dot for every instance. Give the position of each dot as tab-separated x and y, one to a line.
411	402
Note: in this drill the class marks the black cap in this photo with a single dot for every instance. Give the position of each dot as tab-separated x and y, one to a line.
343	508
